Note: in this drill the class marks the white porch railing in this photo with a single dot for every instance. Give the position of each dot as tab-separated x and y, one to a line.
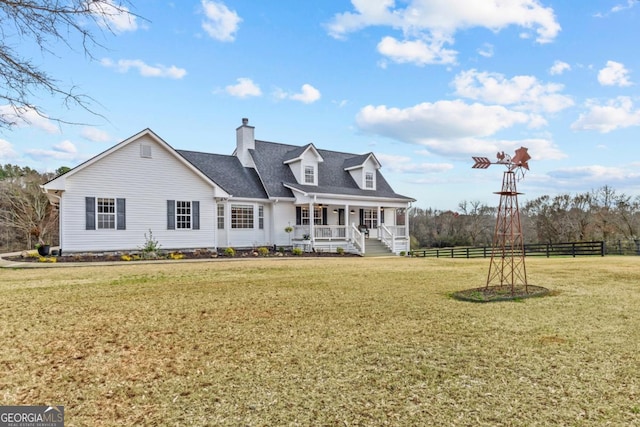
357	238
394	238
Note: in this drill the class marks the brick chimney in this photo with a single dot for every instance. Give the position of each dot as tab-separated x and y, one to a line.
245	141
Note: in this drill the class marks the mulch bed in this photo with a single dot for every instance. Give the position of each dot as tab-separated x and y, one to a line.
197	254
500	293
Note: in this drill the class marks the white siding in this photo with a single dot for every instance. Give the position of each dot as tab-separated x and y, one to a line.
146	184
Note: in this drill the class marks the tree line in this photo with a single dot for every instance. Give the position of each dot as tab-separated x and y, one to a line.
602	214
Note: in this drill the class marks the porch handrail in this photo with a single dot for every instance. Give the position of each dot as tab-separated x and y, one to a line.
357	238
387	237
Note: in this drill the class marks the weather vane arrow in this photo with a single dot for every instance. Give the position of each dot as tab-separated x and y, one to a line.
481	162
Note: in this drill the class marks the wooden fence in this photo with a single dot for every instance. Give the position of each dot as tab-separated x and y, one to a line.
538	249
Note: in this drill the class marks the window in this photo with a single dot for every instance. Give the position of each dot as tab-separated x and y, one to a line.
261	217
319	215
368	180
241	216
220	217
370	218
309	175
106	210
183	214
105	213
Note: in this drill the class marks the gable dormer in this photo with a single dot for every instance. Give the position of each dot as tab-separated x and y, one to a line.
363	169
303	163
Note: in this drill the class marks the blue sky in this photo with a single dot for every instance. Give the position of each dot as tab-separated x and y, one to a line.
423	84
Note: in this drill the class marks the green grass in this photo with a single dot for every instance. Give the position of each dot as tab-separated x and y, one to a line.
331	341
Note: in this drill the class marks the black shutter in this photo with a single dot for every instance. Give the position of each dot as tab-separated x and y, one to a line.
298	215
361	216
121	214
324	216
195	215
90	213
171	214
382	216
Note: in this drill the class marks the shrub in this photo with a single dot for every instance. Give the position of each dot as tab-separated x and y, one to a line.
262	251
126	257
47	259
281	250
340	250
176	255
151	246
296	251
402	253
230	252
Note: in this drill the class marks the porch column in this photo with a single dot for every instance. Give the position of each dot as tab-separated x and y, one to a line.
312	218
347	224
406	222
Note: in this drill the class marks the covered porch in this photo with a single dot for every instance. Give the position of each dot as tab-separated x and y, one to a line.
327	227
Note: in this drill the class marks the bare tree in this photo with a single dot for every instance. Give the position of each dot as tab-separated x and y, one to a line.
26	210
48	24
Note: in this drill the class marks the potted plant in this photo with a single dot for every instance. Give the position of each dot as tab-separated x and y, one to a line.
43	248
288	229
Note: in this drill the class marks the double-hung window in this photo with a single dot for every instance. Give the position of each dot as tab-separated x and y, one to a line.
106	209
183	215
368	181
220	217
105	213
309	174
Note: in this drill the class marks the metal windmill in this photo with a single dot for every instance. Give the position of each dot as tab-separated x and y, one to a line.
507	268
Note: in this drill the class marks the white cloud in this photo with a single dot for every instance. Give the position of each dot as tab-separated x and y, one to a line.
439	120
221	23
559	67
66	150
244	88
26	116
427	24
614	74
615	114
115	17
404	164
95	134
604	175
7	151
419	52
452	128
123	66
308	94
524	92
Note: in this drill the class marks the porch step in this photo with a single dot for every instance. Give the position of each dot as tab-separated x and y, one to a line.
374	247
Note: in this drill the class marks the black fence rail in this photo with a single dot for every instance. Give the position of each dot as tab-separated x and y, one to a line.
623	247
538	249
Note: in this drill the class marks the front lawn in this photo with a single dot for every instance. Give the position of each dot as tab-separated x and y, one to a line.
326	341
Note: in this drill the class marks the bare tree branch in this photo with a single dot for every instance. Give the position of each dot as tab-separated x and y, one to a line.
47	23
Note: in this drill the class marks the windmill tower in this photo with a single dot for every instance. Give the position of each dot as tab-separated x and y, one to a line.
507	270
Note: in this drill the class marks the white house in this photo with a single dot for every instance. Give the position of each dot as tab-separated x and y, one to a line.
195	200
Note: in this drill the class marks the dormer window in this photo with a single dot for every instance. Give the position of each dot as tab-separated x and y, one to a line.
368	181
309	174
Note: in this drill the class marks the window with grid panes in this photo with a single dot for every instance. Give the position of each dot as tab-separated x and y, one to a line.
241	216
183	214
106	209
220	217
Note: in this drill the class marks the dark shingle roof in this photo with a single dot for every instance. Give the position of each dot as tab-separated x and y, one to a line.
228	173
269	158
271	173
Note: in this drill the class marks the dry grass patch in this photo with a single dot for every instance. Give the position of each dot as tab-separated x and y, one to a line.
323	342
